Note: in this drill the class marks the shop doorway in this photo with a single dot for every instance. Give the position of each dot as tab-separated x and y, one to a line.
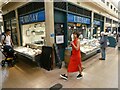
60	24
60	38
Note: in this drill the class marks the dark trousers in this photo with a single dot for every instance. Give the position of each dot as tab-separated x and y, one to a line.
103	53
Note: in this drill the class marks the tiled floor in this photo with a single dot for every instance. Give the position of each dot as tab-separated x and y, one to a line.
97	74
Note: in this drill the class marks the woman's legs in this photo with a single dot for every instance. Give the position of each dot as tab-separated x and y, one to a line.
80	72
67	74
80	69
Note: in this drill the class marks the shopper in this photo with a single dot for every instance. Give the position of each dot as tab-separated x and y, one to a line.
7	41
103	45
75	59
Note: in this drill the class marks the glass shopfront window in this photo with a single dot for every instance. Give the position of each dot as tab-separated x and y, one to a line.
81	28
8	25
14	32
33	34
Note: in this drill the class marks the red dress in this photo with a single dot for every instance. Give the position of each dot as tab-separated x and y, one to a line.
75	59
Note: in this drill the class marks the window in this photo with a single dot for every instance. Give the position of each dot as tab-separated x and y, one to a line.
114	9
111	6
103	1
107	3
14	32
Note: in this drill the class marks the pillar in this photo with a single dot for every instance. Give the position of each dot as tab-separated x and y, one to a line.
17	27
112	26
104	26
49	22
92	23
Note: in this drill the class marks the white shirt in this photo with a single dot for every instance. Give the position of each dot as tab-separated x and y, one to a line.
72	37
7	40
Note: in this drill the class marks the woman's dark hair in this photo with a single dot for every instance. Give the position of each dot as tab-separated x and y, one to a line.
77	33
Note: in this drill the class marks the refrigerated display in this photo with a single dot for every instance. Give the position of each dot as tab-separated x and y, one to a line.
30	52
88	48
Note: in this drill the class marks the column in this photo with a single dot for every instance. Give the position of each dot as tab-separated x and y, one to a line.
112	26
17	27
92	23
104	27
49	22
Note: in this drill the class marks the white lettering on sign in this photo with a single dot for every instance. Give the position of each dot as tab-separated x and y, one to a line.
29	18
36	16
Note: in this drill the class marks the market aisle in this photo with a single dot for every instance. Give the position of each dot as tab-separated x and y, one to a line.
97	74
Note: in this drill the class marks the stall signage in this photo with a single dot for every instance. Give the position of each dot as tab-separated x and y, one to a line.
60	39
74	18
96	22
34	17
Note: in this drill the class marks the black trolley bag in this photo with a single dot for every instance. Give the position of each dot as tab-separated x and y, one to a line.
46	58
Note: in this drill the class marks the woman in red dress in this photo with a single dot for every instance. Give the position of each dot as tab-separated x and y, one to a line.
75	59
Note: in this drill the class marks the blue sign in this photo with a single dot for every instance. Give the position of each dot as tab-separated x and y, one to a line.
52	35
34	17
96	22
74	18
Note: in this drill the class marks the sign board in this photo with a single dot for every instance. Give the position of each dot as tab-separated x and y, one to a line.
60	39
79	19
52	35
34	17
96	22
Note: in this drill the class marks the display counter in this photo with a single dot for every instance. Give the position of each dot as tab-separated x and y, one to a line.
119	42
30	53
88	48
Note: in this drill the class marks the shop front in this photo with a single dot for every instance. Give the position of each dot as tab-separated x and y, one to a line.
32	28
115	27
88	46
10	23
97	28
98	25
108	25
79	24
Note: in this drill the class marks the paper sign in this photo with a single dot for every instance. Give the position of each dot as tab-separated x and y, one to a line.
60	39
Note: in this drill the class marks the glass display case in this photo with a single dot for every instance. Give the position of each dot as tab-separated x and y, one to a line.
88	48
30	51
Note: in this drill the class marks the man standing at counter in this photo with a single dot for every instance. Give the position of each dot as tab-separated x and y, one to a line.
103	45
7	41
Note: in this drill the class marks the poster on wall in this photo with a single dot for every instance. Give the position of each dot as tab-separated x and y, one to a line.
28	32
60	39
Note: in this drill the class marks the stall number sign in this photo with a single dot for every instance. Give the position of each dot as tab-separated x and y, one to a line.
34	17
96	22
74	18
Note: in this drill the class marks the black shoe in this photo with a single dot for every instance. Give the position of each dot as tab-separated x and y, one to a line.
79	76
101	59
64	76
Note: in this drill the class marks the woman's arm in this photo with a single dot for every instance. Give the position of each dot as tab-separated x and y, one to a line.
78	45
